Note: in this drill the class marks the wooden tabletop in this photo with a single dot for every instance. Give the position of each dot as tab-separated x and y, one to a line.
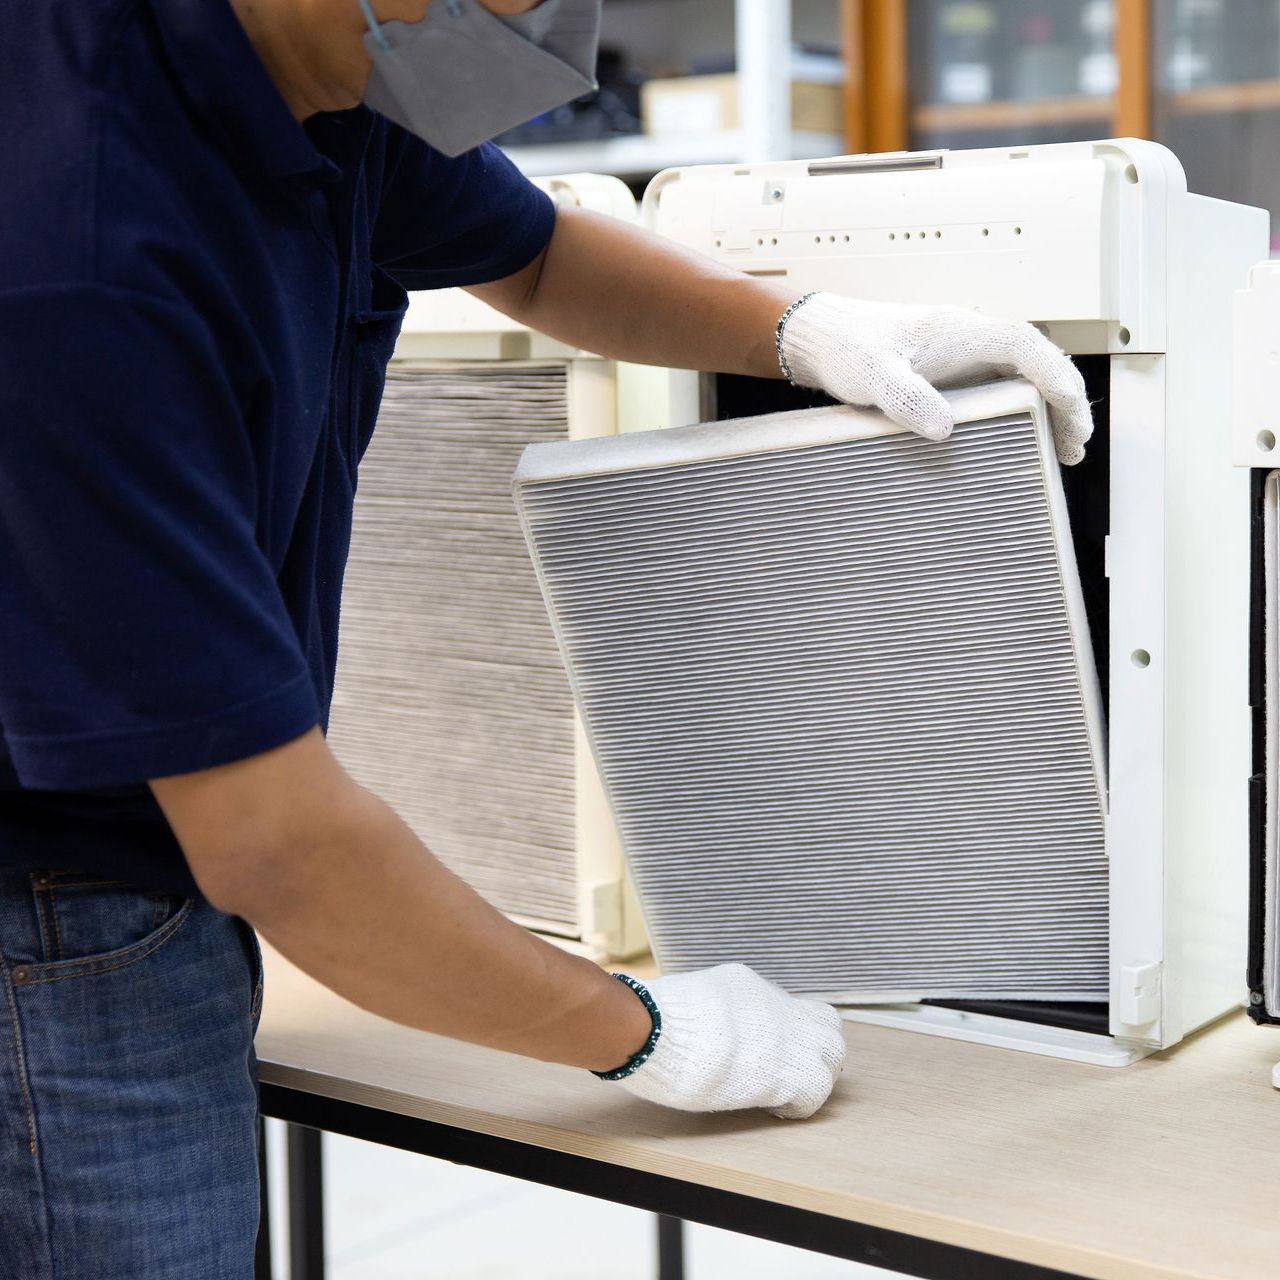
1170	1167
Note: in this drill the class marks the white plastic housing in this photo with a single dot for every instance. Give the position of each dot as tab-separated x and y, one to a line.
1255	411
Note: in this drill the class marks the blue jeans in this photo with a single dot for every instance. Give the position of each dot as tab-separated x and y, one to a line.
128	1098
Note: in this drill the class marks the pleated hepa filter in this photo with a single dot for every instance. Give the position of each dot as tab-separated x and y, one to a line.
450	701
838	682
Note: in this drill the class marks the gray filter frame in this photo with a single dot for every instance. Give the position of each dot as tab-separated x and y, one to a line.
838	682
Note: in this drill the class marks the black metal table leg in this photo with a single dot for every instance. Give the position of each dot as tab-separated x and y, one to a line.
670	1247
306	1205
262	1248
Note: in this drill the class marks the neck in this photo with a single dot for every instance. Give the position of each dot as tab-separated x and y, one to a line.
311	49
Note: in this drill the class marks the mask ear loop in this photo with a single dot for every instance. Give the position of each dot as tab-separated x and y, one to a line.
375	26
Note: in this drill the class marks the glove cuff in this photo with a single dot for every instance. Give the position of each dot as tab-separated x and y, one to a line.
637	1060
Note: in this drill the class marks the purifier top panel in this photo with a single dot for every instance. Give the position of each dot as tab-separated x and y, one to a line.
838	683
1071	234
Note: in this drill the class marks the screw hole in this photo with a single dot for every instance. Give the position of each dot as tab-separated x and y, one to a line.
1017	231
937	235
986	231
1140	658
1266	441
846	239
773	239
892	236
1131	173
1123	336
717	244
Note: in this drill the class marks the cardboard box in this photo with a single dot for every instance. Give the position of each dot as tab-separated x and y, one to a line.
690	105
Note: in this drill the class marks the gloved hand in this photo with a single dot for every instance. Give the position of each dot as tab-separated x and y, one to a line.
729	1040
886	355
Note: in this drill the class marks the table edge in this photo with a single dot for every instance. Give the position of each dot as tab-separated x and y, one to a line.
371	1112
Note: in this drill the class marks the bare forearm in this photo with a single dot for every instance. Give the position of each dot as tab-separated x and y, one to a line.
356	901
625	293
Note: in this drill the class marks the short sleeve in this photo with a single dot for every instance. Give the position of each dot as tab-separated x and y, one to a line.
142	629
456	221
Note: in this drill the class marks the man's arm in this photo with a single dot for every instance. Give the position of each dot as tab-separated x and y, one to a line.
334	880
612	288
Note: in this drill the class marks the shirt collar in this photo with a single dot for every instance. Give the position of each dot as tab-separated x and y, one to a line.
223	76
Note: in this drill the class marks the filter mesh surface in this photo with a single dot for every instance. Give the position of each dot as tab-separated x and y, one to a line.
835	698
451	702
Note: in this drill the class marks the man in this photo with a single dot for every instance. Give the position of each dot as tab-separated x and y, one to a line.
205	242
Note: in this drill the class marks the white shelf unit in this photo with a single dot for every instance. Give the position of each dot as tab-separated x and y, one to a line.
762	33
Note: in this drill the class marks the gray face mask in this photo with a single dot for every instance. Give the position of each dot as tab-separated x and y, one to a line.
463	75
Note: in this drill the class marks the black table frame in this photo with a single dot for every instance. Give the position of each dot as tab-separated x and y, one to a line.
672	1199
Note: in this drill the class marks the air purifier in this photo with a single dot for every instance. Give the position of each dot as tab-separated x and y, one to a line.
1135	775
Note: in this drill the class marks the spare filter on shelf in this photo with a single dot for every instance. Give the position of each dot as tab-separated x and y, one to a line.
838	681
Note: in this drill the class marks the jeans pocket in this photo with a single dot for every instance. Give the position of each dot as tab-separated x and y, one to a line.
88	924
255	972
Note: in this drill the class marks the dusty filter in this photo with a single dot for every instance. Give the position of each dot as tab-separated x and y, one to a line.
450	701
838	681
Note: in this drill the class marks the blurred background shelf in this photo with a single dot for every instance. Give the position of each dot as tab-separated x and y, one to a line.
1246	95
1012	115
698	82
642	155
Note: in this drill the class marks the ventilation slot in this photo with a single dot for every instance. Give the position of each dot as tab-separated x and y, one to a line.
839	684
451	702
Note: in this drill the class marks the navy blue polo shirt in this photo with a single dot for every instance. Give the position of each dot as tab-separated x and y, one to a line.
198	298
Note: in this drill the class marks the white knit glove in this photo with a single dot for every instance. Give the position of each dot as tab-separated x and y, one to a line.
730	1040
891	356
